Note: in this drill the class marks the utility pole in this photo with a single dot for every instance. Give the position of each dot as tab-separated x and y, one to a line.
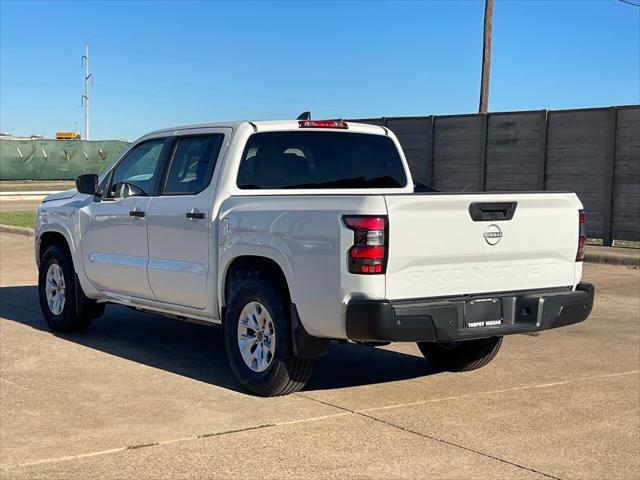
85	95
486	56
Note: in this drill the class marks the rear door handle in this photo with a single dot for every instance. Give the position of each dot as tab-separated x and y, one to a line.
136	213
194	214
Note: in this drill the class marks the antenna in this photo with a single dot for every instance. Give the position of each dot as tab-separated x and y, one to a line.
85	95
304	116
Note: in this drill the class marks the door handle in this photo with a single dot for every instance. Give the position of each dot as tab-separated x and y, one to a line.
136	213
194	214
492	211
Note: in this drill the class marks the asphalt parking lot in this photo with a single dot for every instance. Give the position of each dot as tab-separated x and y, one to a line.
140	396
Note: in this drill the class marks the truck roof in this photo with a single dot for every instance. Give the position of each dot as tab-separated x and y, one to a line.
265	125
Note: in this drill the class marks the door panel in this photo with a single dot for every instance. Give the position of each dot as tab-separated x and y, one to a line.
179	222
179	250
114	246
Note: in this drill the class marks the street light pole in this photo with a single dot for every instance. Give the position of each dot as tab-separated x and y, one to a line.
85	96
486	57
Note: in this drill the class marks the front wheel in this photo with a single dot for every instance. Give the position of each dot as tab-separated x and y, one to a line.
64	306
258	341
461	356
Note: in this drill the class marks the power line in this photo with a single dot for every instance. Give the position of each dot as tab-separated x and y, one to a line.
629	2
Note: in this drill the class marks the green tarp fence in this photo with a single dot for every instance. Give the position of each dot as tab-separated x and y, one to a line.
55	159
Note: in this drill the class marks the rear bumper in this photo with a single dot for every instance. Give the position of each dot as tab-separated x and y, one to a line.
466	318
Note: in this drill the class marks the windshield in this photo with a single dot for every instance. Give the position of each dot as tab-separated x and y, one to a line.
320	159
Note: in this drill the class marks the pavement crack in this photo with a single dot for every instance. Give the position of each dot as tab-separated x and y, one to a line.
431	437
468	449
237	430
163	442
141	445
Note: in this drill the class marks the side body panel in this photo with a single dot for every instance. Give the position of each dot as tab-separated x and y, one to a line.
307	238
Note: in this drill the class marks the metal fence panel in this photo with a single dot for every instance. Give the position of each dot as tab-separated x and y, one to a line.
458	152
416	138
516	151
626	186
577	161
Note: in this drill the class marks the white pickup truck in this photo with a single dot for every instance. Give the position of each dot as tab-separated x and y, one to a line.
293	234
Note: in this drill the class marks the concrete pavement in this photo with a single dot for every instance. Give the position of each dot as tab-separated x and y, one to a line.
22	196
35	185
20	204
141	396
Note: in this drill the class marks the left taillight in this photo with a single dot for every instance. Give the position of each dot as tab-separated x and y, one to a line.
582	236
368	255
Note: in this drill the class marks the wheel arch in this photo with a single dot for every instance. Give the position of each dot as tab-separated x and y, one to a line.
247	265
53	237
304	345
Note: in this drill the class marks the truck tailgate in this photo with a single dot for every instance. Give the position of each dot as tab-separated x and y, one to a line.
437	249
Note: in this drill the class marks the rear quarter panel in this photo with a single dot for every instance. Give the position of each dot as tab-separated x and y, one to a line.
305	236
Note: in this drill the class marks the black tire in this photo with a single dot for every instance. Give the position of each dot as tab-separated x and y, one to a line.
78	310
286	373
461	356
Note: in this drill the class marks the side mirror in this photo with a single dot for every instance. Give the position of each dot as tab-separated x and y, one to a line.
87	183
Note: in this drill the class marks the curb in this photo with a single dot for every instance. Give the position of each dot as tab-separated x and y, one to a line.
27	232
629	260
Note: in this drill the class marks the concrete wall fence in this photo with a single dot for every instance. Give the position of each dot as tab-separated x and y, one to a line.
594	152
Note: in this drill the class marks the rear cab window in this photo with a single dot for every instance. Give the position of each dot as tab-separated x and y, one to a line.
320	159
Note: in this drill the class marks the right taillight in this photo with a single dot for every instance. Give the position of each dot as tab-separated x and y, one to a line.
582	237
369	251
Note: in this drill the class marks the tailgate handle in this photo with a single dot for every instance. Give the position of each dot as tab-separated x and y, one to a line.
487	212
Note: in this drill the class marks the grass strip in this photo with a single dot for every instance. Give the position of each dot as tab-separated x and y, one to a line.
18	219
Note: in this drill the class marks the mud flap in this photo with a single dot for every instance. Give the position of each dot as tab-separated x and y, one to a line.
305	345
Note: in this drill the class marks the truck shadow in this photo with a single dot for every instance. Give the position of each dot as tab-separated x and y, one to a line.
197	351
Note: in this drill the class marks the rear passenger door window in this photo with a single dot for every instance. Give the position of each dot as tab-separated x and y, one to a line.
192	164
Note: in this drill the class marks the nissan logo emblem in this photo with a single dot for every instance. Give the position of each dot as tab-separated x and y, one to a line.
492	234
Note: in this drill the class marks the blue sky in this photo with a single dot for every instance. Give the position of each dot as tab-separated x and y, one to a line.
166	63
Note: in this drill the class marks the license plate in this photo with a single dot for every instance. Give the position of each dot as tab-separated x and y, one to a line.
485	312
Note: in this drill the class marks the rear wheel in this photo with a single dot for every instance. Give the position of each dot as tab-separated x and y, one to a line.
461	356
258	341
64	306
